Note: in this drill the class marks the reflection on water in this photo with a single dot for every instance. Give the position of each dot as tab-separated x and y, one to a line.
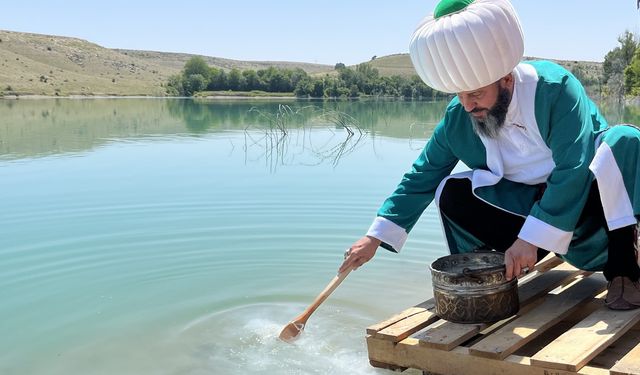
32	128
175	236
279	146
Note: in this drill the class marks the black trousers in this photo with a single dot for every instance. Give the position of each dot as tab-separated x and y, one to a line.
499	229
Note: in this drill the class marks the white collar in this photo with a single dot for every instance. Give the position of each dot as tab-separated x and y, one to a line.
513	112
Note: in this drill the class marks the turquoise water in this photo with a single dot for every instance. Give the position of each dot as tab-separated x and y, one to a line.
149	236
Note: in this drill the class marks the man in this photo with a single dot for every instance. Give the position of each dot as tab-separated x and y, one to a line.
546	171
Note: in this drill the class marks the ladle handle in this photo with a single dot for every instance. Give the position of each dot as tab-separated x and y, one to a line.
333	284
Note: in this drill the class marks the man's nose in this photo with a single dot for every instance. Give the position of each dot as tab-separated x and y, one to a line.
469	105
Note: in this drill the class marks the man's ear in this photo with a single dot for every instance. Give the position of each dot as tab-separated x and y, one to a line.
507	80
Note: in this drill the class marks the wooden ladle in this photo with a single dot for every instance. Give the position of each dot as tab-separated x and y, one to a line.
293	330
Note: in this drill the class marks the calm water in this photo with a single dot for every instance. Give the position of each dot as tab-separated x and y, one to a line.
149	236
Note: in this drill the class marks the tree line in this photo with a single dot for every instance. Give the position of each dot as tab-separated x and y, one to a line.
621	67
347	82
620	77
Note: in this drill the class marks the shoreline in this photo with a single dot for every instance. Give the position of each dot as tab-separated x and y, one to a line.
209	97
217	97
40	96
242	97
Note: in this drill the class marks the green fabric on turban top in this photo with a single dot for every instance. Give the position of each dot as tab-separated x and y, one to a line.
445	7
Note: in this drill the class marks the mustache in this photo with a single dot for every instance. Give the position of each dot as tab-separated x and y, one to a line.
476	110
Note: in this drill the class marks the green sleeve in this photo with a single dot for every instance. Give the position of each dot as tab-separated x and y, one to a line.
417	188
565	117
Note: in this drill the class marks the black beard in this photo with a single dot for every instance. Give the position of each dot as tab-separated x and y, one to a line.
491	125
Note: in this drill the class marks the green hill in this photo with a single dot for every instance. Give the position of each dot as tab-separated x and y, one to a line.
49	65
400	64
177	60
36	64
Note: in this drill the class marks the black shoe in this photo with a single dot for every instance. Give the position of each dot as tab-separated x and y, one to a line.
623	294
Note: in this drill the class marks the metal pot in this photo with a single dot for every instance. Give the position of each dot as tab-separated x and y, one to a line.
472	288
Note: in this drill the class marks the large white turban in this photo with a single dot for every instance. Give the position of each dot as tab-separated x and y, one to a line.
467	44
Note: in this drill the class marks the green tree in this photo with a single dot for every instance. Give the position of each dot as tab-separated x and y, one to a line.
295	76
174	85
354	92
196	65
334	88
304	88
251	79
620	56
632	76
363	79
422	90
367	76
235	80
277	81
194	83
351	78
615	64
318	88
218	80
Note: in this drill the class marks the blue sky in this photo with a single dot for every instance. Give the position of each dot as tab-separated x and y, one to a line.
329	31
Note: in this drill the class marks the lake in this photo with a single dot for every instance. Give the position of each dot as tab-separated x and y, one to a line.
172	236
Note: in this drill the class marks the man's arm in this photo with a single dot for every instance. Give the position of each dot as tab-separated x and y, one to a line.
403	208
550	224
570	137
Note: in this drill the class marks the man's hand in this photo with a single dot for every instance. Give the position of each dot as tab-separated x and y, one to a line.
520	255
360	253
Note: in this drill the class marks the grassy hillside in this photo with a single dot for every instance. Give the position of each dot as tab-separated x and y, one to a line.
400	64
177	61
36	64
49	65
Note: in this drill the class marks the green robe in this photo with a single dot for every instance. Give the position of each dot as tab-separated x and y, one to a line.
552	134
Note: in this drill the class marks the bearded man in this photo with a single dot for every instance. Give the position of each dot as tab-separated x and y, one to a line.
547	173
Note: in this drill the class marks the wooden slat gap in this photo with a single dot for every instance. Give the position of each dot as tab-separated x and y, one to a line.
629	364
449	335
538	320
578	345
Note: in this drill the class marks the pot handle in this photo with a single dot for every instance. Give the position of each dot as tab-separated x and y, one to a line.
474	273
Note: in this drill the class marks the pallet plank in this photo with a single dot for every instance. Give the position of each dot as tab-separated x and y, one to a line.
629	364
544	265
548	262
596	340
406	327
577	346
522	330
545	282
408	353
424	306
449	335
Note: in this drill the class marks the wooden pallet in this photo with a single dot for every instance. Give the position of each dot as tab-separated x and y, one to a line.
562	327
